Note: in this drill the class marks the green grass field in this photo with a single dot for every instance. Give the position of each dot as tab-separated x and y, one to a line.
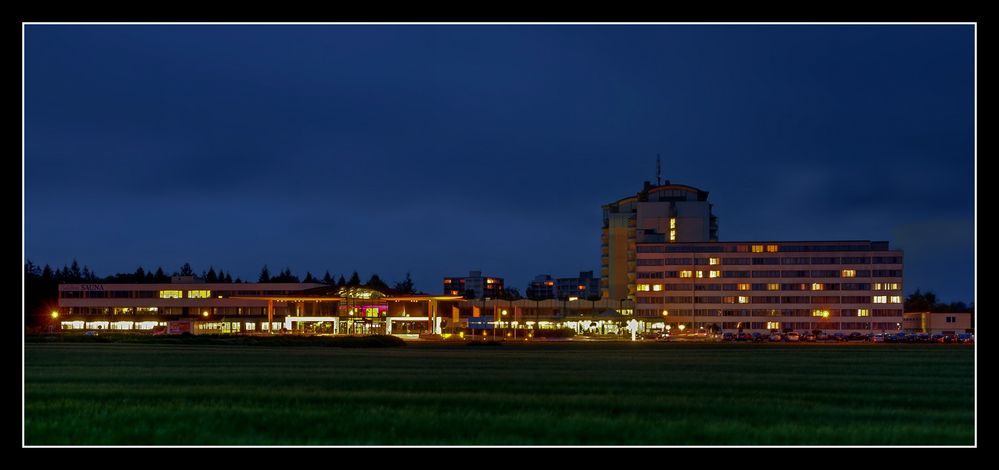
544	394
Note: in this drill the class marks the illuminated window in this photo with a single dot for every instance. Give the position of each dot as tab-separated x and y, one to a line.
712	261
849	273
863	312
700	274
447	281
880	299
657	287
686	273
581	287
371	312
672	223
714	273
643	287
820	313
773	286
199	294
896	299
550	283
171	294
757	248
891	286
818	286
773	325
741	248
876	286
743	299
672	235
454	292
771	248
490	281
743	286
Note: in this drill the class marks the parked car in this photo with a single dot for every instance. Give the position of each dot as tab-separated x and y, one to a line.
775	337
809	338
938	338
878	339
822	336
838	337
792	337
759	337
744	337
727	337
966	338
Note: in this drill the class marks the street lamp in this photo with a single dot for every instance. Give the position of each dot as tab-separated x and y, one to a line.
502	316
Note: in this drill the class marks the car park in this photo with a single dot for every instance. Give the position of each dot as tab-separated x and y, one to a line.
775	337
966	338
792	337
809	338
728	337
878	338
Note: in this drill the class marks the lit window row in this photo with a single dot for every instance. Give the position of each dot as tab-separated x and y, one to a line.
171	294
199	294
820	313
884	286
849	273
648	287
863	312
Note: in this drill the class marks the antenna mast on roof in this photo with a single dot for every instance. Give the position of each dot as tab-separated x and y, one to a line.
659	172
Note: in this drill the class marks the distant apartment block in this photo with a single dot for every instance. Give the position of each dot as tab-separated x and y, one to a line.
585	286
542	287
482	286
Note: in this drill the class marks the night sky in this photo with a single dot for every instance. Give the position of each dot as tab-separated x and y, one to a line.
443	149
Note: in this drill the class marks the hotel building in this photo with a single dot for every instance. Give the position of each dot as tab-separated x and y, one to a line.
660	248
672	213
842	286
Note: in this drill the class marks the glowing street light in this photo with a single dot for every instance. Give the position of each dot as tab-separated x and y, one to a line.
55	314
205	313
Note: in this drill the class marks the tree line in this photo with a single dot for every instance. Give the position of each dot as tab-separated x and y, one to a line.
41	283
927	302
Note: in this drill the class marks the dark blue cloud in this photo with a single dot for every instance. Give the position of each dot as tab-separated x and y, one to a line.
440	149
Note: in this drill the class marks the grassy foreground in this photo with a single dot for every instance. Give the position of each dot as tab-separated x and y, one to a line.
575	393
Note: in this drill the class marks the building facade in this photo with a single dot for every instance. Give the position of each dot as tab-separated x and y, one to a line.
585	286
482	286
224	308
833	286
938	323
542	287
672	213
